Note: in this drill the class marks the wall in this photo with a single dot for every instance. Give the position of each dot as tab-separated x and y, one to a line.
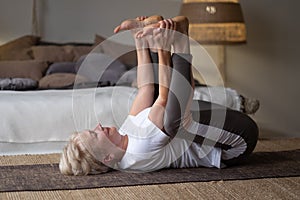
266	67
15	19
76	20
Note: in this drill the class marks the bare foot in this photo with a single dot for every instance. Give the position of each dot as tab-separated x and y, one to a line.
139	22
182	24
178	23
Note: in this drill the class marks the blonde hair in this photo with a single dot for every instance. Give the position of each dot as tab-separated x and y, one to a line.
76	160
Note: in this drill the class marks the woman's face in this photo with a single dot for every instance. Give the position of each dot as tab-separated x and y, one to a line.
103	139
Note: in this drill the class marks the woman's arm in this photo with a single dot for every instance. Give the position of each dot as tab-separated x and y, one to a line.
162	41
156	114
145	79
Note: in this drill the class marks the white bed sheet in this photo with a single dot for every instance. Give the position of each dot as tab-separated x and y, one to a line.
42	121
37	122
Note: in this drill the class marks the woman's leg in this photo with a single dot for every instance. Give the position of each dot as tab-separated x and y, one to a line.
211	124
182	83
232	131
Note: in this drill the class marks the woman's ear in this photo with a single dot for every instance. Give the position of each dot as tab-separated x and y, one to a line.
108	158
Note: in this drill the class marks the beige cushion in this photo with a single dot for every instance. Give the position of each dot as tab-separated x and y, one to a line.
60	80
18	49
98	39
23	69
79	51
116	50
52	53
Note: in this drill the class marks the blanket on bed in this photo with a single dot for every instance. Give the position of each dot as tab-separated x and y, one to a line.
42	121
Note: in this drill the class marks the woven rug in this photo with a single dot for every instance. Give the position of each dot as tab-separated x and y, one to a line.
43	177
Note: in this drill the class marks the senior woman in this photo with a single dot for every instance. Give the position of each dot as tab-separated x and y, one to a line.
160	131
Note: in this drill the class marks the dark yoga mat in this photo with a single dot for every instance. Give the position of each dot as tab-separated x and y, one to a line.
48	177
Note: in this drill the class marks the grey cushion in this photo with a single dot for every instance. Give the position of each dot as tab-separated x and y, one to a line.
98	67
61	67
18	84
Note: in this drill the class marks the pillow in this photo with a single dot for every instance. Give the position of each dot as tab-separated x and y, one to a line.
53	53
115	49
129	78
18	49
79	51
60	81
47	43
98	39
61	67
23	69
17	84
98	67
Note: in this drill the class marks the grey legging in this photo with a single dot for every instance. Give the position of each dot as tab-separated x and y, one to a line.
232	121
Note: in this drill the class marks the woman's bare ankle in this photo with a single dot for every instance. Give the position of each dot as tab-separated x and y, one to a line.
182	24
181	43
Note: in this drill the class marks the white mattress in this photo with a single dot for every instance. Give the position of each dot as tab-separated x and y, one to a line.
35	122
42	121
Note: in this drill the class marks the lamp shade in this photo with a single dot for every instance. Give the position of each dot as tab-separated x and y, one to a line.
215	21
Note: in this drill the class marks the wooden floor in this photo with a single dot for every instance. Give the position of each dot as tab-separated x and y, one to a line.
275	188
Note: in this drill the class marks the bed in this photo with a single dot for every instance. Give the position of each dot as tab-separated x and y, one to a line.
40	119
37	122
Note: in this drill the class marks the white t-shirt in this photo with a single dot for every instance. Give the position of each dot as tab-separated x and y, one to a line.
151	149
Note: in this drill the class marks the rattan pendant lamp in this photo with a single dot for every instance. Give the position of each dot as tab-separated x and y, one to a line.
215	21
